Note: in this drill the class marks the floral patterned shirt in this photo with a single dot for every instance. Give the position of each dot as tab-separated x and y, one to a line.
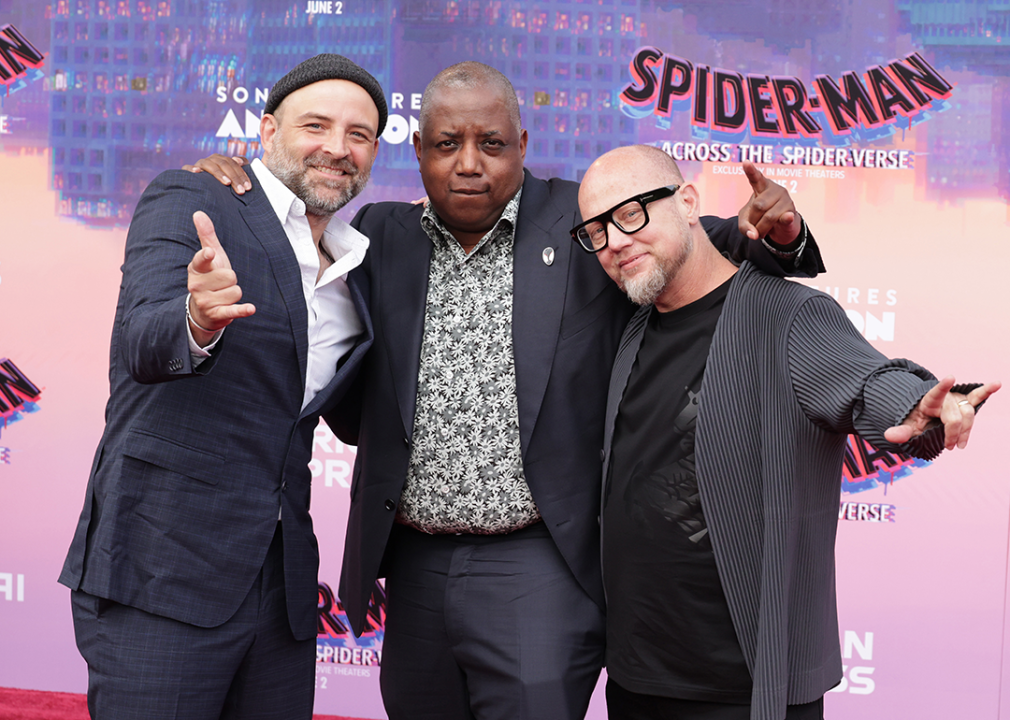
465	473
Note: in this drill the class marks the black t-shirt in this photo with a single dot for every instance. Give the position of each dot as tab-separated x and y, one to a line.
669	630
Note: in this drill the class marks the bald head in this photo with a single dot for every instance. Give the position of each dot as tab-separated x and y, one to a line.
470	75
626	171
656	249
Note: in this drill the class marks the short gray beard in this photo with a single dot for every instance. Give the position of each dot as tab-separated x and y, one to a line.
292	172
645	287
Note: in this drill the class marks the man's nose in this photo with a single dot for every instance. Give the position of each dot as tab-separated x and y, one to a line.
335	145
468	160
617	239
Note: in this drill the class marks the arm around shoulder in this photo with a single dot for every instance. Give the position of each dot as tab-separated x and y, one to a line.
805	261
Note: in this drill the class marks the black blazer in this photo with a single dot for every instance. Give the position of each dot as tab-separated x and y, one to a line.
194	463
567	321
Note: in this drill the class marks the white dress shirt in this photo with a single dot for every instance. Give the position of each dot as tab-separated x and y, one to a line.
333	321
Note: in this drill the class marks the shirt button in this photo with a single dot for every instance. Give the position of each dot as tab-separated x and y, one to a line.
390	505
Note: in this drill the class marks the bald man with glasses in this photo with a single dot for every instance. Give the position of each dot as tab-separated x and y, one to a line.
732	396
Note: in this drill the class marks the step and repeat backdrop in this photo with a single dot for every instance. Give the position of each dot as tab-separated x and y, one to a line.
887	120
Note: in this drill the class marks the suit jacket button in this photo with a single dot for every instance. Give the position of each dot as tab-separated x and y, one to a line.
284	486
406	441
390	505
603	456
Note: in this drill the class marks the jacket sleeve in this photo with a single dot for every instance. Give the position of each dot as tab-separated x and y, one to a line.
847	386
152	338
726	236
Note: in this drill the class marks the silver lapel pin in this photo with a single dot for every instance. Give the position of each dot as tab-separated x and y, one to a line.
548	256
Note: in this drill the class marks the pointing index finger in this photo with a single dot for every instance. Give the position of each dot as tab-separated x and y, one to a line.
205	230
208	239
932	401
755	177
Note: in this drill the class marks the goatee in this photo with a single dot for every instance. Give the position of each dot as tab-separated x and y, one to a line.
645	286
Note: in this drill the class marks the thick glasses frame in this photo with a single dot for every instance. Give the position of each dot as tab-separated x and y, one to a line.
582	237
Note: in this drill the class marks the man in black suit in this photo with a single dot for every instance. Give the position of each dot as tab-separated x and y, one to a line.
733	394
193	567
476	487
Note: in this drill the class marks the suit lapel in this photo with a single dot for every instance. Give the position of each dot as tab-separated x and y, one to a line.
264	225
537	304
350	361
538	297
403	264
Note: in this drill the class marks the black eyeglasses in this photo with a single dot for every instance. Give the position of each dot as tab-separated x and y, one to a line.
630	216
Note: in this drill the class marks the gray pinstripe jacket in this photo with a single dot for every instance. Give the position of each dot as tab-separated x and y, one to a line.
788	378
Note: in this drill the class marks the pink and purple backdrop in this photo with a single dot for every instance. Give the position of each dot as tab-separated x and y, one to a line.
97	96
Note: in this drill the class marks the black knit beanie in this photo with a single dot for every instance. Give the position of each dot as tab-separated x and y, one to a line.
327	66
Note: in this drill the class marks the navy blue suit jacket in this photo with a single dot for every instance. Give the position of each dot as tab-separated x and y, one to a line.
183	498
567	321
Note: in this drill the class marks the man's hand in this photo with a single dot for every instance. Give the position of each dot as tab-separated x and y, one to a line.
228	171
770	211
954	410
213	285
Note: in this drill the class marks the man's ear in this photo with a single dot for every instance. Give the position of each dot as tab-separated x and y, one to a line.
268	128
690	203
417	144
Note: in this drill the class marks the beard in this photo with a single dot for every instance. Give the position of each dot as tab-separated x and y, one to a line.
645	286
293	173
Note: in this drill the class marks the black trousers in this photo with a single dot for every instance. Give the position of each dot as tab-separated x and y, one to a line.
488	627
147	667
626	705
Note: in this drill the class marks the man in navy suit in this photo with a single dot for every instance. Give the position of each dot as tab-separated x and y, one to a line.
193	568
